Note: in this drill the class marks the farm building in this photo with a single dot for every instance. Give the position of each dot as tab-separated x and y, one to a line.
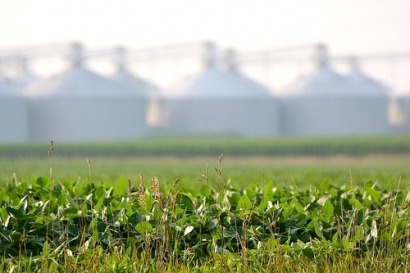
219	102
13	114
80	105
328	103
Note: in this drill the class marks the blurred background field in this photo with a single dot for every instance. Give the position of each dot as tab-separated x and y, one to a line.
214	146
285	161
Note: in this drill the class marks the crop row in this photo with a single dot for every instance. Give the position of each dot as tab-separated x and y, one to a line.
213	146
170	224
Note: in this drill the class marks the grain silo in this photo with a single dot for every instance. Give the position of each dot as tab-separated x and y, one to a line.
328	103
220	102
13	114
80	105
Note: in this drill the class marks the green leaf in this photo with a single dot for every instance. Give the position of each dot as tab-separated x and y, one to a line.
69	200
234	199
262	205
356	203
144	228
3	195
374	194
100	203
70	212
328	210
317	229
323	187
205	190
135	218
359	234
121	187
185	202
347	243
99	192
250	192
244	204
42	182
301	220
46	247
335	237
294	203
4	214
269	189
15	213
308	252
93	225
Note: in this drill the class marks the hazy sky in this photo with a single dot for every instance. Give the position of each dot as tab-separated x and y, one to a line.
347	26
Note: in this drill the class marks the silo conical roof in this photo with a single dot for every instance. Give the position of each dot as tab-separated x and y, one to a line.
322	82
216	83
141	86
125	77
325	81
79	82
365	85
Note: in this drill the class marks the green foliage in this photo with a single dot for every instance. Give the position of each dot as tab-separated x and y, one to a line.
47	225
264	218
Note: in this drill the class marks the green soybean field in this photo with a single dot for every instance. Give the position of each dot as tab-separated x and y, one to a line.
113	208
